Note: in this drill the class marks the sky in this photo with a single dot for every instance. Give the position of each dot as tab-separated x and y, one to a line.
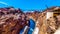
30	4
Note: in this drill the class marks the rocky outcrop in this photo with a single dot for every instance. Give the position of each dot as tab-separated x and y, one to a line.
13	20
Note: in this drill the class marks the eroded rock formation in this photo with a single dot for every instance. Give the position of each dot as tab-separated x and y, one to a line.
13	20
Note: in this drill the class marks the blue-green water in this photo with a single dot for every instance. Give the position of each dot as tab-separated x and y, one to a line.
31	25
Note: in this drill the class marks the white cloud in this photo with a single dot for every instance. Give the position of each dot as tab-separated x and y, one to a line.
3	3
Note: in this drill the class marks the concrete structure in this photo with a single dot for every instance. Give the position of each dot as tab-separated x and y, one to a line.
49	14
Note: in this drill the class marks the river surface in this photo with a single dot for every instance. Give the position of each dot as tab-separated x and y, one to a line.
31	25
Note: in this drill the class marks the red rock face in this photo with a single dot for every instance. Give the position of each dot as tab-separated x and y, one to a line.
12	22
